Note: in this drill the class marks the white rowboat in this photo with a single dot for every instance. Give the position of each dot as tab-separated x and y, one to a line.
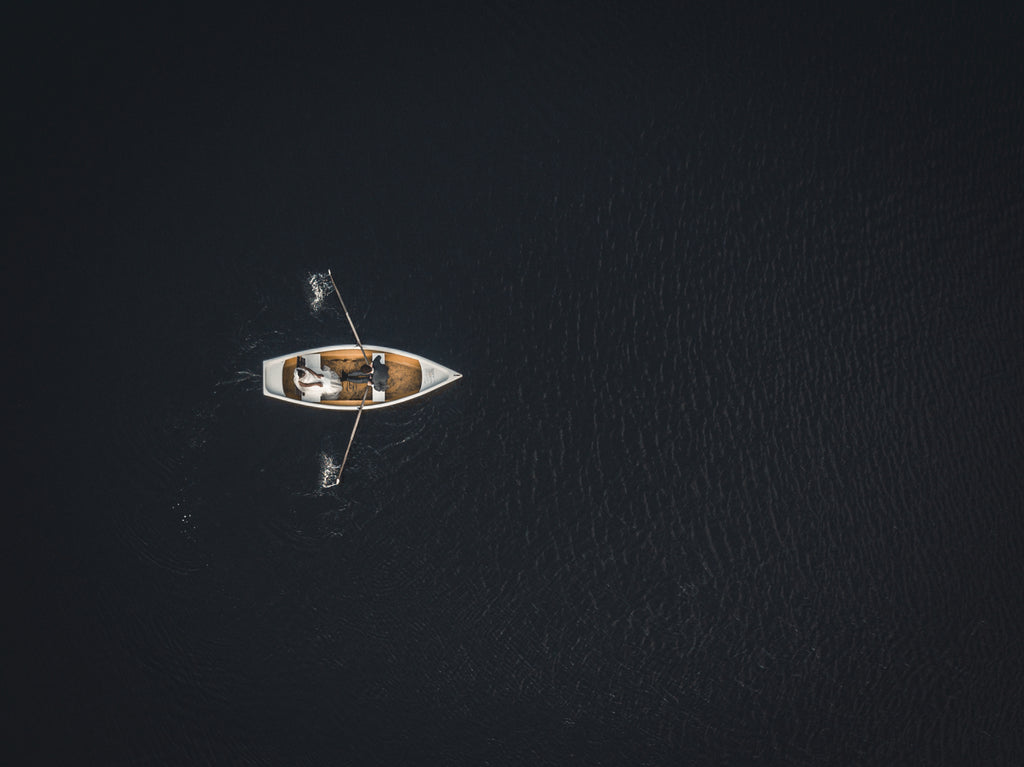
409	376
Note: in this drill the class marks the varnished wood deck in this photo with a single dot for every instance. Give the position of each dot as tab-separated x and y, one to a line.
404	375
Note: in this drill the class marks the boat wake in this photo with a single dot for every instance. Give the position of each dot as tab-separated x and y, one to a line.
240	377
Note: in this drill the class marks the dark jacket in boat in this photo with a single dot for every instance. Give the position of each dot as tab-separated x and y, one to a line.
380	374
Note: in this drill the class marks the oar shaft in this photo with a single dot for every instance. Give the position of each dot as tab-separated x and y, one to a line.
359	414
348	317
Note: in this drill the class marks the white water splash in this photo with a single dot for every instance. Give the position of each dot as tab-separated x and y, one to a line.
328	471
319	289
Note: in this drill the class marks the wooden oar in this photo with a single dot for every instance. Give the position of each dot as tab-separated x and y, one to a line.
359	413
349	318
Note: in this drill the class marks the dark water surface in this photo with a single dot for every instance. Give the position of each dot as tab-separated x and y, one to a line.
733	476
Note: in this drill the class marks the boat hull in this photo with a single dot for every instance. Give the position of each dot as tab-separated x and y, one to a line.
409	376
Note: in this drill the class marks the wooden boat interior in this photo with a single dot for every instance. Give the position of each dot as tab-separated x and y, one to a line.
404	376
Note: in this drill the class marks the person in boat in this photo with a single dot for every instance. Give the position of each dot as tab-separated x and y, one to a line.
327	383
377	374
363	375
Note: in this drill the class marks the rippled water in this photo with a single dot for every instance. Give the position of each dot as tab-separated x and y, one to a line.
733	473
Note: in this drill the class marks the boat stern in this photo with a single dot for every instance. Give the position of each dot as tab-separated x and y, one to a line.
273	377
